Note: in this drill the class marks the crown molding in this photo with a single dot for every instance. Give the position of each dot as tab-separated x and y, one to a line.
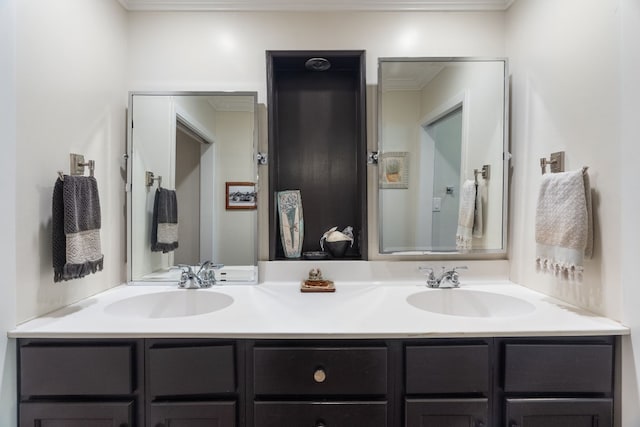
316	5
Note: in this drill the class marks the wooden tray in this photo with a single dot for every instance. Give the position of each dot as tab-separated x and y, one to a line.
317	286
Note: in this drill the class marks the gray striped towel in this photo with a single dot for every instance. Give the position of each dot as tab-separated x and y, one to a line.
164	228
76	225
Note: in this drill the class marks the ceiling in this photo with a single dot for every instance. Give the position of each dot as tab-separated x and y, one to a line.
315	5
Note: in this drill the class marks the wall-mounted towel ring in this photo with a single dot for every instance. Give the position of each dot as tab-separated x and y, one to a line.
485	172
150	177
77	165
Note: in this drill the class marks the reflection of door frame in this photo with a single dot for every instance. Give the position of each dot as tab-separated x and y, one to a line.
459	101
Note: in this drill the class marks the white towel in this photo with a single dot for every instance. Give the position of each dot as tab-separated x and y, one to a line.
564	223
478	221
465	215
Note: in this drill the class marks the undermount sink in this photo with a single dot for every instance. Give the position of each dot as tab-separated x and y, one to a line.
177	303
469	303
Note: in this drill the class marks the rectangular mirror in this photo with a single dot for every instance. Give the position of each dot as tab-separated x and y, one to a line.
442	135
202	145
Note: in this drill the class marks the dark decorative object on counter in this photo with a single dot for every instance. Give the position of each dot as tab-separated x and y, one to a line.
337	249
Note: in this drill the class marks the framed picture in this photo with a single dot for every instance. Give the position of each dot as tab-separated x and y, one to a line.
393	169
241	195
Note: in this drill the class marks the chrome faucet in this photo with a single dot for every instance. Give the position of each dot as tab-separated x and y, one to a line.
203	278
447	279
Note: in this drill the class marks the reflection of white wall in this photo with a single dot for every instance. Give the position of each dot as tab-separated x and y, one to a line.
484	95
154	133
399	208
235	229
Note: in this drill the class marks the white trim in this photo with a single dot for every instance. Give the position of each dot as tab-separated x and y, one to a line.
316	5
193	125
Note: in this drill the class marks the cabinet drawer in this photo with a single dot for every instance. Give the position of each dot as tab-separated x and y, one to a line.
558	368
196	414
76	370
330	414
194	370
320	371
559	412
447	369
447	412
86	414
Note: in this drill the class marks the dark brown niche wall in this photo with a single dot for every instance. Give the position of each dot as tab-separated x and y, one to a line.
317	144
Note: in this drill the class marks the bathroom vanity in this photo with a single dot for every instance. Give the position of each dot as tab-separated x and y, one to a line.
362	356
444	382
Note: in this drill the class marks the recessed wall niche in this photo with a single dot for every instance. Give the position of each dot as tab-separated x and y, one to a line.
317	143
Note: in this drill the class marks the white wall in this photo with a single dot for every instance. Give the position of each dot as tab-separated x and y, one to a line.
565	68
71	98
8	391
226	51
629	153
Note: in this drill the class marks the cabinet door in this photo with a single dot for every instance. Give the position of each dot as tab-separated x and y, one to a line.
105	414
446	413
559	413
192	414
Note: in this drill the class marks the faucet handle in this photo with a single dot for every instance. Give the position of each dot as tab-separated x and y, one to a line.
186	268
431	277
429	271
455	277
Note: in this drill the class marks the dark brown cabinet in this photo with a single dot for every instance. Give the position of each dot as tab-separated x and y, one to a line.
475	382
317	144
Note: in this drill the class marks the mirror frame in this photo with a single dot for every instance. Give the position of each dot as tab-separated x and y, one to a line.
128	157
500	253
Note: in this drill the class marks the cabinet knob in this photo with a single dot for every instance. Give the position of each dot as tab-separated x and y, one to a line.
319	376
320	423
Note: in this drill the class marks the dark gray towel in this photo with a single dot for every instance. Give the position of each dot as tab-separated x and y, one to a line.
164	224
76	225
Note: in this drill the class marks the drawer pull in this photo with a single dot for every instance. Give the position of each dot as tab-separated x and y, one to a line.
319	376
320	423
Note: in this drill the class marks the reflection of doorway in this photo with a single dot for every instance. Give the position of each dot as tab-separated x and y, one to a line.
193	178
443	137
188	195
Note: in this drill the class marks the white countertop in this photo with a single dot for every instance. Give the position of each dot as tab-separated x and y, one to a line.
280	310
